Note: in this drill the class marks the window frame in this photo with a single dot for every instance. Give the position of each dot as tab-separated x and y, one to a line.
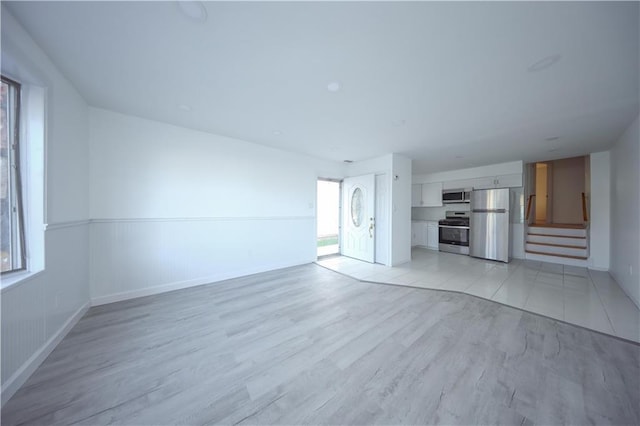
16	189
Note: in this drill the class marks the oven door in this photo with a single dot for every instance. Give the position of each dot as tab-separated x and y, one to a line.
454	239
454	235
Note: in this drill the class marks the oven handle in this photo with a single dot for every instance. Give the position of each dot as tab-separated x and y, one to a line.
454	227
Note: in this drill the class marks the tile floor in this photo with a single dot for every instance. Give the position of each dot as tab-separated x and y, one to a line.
587	298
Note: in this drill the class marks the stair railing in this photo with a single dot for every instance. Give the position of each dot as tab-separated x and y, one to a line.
529	203
585	216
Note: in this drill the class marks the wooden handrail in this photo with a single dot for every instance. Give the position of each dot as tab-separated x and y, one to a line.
585	215
529	207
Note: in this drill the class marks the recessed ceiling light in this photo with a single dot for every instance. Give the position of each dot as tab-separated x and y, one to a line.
544	63
334	86
184	107
193	10
552	138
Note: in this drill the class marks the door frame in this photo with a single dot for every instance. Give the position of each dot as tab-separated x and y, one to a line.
382	254
339	182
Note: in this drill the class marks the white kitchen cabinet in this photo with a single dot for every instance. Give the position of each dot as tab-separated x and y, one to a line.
487	182
459	184
417	234
502	181
432	235
421	234
416	195
432	194
424	234
509	181
426	195
484	182
414	234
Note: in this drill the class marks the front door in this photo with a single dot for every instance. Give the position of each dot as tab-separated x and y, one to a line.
358	221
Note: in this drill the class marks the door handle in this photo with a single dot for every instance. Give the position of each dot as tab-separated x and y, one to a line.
371	226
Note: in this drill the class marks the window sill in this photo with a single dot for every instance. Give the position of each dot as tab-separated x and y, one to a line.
14	279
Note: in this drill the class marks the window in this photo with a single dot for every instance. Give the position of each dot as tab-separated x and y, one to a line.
12	238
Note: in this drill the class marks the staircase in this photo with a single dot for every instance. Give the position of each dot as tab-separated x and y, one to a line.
558	243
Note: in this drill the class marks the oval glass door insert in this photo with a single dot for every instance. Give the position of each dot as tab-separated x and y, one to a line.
356	207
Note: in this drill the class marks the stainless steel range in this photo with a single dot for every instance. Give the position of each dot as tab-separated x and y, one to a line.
454	232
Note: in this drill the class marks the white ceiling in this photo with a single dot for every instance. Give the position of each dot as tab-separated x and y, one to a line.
431	80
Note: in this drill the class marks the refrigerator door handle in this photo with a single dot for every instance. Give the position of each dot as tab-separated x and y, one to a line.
489	210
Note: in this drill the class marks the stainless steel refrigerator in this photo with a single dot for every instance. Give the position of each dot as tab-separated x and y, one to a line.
489	233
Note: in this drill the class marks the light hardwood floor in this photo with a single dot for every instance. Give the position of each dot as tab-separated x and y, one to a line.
306	345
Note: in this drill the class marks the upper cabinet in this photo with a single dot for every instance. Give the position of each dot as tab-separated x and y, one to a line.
502	175
416	195
427	188
504	181
490	182
432	194
509	181
426	195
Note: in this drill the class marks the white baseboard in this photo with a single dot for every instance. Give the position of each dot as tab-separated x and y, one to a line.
178	285
597	268
149	291
19	378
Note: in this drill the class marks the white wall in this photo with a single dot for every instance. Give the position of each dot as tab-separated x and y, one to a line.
599	222
625	205
173	207
568	185
401	210
516	223
37	311
382	219
378	165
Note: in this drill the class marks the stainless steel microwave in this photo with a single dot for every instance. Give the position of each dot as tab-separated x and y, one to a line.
456	196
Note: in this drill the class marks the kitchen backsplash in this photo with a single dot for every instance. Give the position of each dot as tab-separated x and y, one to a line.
436	213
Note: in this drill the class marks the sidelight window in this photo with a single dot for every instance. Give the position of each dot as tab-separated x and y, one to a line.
12	237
